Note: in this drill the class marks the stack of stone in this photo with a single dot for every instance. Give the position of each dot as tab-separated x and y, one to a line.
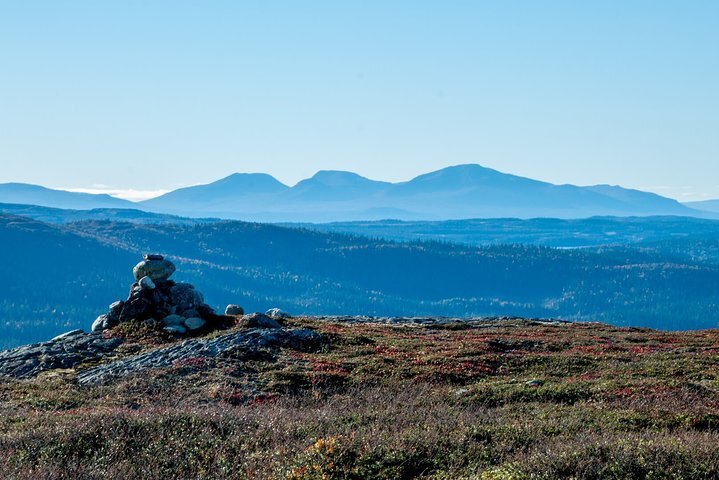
160	302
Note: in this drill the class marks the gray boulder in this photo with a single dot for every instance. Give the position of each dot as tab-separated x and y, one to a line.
173	320
277	313
155	267
258	320
100	323
114	311
233	309
195	323
185	297
146	283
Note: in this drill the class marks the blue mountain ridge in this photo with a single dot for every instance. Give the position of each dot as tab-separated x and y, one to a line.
463	191
457	192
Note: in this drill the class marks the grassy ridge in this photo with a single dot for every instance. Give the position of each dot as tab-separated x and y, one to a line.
508	400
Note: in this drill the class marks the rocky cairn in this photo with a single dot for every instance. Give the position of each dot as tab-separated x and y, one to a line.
161	303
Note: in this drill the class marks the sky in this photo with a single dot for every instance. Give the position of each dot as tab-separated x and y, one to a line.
139	97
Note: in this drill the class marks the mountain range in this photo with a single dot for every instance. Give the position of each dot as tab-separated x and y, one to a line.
27	194
458	192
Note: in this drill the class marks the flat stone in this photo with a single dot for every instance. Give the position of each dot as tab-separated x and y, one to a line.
297	339
71	333
155	269
65	351
153	256
194	323
177	329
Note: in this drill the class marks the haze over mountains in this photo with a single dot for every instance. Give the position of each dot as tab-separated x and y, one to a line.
705	205
463	191
27	194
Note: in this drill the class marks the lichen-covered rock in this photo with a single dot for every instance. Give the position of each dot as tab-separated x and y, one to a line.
185	297
139	306
255	339
258	320
233	309
64	351
155	267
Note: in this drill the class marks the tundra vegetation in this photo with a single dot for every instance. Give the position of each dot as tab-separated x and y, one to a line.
502	399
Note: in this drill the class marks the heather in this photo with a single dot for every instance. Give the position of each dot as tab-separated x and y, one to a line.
500	399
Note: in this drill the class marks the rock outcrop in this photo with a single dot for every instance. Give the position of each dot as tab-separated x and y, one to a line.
251	339
64	351
258	331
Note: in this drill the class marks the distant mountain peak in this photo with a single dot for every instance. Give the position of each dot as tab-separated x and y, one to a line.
339	178
250	179
469	175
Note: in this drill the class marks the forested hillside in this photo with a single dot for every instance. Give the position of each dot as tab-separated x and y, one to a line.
61	277
554	232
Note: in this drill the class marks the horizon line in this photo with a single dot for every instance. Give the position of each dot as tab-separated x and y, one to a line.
136	195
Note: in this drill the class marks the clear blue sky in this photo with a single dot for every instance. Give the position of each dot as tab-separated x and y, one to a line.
157	94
